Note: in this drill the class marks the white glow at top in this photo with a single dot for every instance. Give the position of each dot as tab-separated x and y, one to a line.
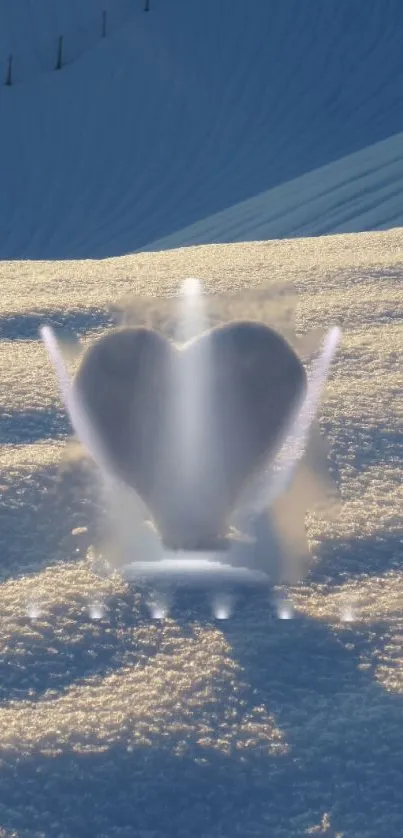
34	610
191	287
347	615
190	381
222	606
285	611
158	610
192	309
96	610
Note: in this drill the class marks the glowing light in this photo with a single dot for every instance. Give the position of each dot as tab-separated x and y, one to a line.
190	384
79	419
34	610
285	610
96	610
192	309
191	287
158	612
222	606
159	607
348	615
275	478
197	573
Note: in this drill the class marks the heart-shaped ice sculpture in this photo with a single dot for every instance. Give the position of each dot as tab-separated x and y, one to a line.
187	427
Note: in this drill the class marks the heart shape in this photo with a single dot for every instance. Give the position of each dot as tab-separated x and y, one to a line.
187	427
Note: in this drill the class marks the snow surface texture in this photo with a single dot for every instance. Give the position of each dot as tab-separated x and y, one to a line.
190	111
31	30
112	724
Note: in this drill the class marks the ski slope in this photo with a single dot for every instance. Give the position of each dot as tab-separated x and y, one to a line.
190	111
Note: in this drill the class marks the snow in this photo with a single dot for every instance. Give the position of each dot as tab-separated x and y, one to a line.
204	121
31	29
362	191
193	110
105	712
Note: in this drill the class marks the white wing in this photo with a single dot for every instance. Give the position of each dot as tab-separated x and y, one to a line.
78	417
275	478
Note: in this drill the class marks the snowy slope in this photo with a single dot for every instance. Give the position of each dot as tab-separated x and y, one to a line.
206	120
191	110
362	191
30	33
113	725
26	25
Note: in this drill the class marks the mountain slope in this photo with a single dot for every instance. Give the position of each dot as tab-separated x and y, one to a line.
362	191
188	111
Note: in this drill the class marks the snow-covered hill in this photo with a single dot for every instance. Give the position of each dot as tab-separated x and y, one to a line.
190	111
202	121
113	725
27	25
362	191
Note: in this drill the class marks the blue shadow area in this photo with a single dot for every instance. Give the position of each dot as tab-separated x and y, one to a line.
344	763
38	511
238	102
30	426
26	326
68	645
